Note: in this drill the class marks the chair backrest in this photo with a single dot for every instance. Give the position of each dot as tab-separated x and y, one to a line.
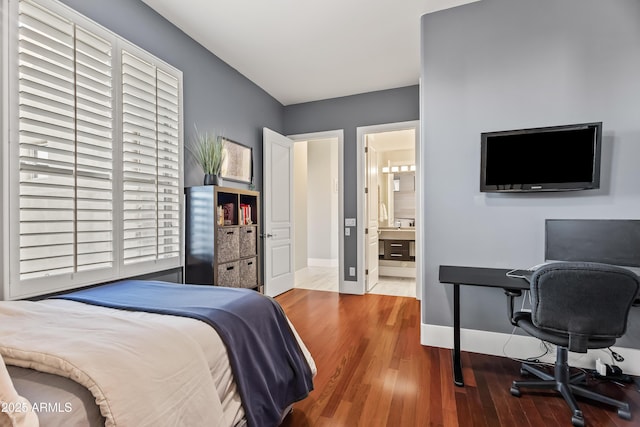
583	299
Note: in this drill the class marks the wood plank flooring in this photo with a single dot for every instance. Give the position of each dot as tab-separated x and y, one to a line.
372	371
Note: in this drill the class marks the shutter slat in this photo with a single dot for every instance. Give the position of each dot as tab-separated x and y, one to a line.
130	91
35	101
92	67
87	41
45	36
44	61
45	21
86	95
58	82
93	86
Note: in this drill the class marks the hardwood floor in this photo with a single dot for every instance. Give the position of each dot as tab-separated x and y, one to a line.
372	371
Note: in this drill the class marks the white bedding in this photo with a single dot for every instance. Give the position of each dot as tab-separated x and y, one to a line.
177	344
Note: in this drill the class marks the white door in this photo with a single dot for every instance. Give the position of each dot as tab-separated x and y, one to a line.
371	231
278	212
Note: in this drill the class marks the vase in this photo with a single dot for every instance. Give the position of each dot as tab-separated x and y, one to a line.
210	179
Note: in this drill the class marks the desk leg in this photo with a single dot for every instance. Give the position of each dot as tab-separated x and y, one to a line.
457	365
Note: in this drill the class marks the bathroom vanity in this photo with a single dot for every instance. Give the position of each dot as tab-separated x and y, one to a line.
397	251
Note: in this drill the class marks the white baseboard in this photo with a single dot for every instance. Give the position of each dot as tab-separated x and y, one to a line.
351	287
521	347
322	262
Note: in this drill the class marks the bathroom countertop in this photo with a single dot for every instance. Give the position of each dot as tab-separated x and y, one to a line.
397	233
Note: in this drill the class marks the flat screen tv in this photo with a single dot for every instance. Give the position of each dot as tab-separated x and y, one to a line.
556	158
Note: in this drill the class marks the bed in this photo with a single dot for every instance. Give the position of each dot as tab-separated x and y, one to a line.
122	361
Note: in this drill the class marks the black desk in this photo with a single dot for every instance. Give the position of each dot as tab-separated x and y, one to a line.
473	276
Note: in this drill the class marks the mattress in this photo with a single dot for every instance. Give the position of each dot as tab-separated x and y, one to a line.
66	403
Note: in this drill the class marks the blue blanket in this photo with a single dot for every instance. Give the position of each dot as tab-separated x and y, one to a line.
268	366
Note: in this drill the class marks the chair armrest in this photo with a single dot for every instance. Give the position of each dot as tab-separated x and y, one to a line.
511	295
578	343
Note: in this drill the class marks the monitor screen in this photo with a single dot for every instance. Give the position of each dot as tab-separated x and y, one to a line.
541	159
609	241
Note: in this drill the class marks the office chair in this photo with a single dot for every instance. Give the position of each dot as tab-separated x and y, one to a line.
576	306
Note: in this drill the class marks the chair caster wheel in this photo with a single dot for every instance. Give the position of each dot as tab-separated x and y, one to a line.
577	421
625	414
515	391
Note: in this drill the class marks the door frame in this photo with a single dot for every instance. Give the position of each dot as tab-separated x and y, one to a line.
370	153
339	134
361	132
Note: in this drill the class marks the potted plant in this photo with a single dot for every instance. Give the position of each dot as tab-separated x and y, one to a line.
208	150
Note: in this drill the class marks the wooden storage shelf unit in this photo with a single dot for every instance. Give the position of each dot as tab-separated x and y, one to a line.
222	229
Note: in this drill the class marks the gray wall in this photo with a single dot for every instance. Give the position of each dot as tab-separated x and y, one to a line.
348	113
216	97
509	64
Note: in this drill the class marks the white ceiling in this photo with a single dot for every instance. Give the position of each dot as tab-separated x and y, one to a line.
305	50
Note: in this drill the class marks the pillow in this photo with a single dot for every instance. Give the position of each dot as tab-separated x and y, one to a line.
15	410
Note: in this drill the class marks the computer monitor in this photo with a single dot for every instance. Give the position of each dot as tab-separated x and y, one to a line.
609	241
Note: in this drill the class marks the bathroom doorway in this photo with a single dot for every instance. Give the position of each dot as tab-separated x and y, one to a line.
389	209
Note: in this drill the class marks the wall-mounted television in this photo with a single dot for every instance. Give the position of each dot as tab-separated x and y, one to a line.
555	158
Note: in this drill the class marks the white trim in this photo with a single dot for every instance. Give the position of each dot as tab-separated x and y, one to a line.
421	236
4	150
521	346
361	132
338	133
322	262
13	232
352	287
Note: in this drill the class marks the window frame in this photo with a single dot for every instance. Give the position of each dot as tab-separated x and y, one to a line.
13	287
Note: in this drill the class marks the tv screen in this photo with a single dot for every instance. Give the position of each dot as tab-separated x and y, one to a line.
557	158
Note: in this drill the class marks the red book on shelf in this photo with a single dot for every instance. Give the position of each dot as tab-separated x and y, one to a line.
246	213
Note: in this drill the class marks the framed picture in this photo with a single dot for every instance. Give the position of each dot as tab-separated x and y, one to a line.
238	162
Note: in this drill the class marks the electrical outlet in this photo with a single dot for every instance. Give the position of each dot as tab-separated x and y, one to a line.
347	231
352	271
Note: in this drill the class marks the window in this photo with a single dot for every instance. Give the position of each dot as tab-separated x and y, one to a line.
95	152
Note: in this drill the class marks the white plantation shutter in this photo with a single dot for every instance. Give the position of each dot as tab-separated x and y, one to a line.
65	135
140	169
169	187
151	161
96	181
94	147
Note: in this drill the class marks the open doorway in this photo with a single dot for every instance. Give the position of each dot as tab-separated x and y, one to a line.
388	208
317	211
